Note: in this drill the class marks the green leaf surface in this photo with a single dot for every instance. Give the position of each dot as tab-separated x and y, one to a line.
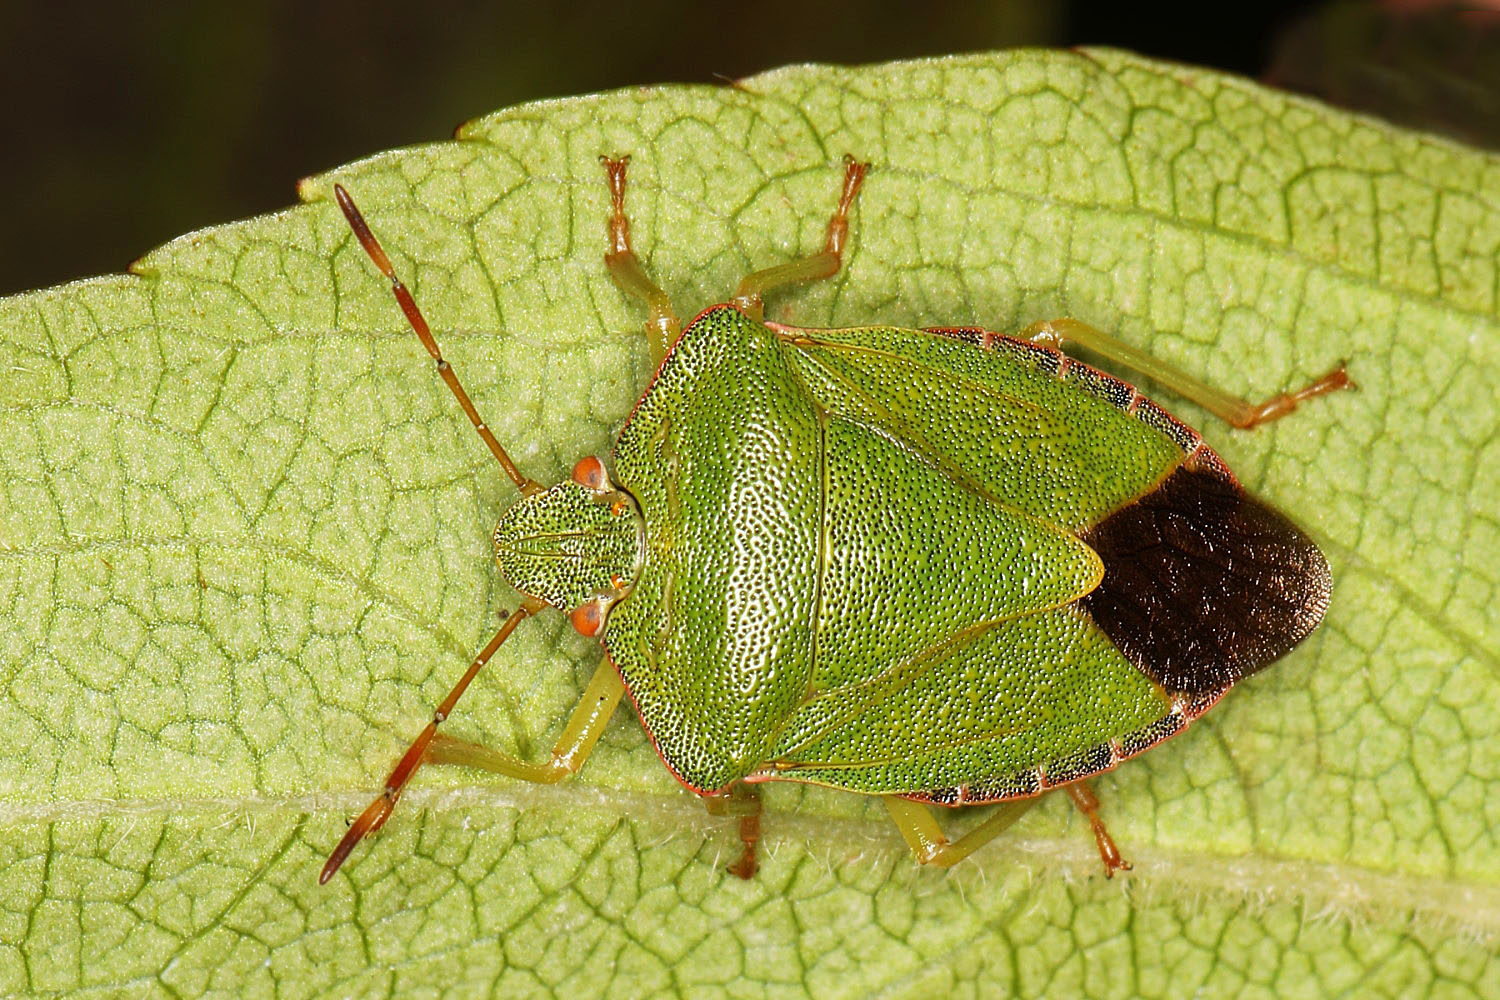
244	552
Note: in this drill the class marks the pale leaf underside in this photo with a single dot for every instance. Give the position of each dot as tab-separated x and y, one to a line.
243	552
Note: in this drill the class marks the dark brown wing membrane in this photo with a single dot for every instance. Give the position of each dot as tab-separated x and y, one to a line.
1203	584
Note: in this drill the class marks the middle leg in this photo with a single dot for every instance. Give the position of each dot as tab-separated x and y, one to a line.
749	297
743	801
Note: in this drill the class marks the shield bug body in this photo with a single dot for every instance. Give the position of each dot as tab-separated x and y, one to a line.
939	566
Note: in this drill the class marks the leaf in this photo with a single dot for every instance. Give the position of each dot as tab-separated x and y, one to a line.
243	553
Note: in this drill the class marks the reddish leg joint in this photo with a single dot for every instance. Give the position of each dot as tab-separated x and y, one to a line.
742	801
1083	797
838	226
747	865
1279	406
619	222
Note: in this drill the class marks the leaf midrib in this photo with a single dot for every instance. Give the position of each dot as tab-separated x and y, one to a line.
1331	888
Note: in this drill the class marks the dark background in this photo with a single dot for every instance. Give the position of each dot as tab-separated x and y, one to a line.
128	124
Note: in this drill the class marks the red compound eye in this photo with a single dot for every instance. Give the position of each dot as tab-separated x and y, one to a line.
589	472
587	617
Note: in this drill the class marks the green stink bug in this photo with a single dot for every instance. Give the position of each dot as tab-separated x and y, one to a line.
939	566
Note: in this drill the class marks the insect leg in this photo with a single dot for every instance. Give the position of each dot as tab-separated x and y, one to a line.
378	811
929	844
1083	797
748	298
419	326
743	801
625	267
1232	409
572	748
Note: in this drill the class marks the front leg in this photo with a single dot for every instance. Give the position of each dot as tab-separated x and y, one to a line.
573	747
662	324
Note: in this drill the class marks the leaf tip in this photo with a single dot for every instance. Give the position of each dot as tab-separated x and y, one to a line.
309	190
141	269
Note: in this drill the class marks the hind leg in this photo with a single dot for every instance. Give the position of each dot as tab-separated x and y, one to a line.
930	846
1241	413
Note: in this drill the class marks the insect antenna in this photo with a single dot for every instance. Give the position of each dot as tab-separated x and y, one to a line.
424	333
378	811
